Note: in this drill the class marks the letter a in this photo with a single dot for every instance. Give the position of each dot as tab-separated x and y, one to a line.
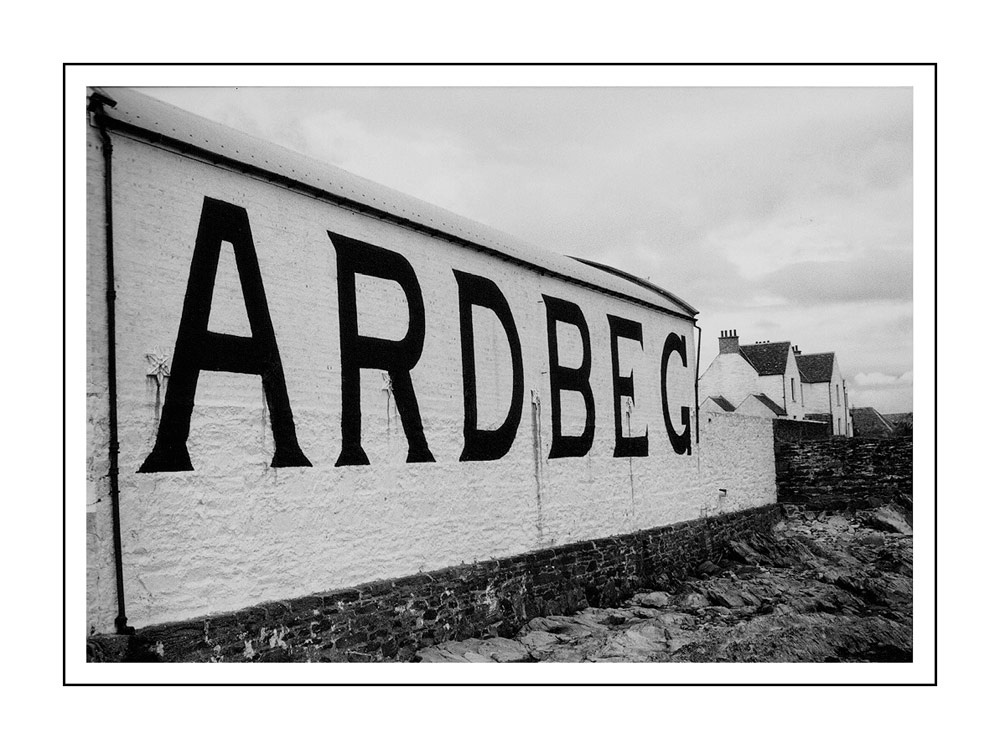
199	349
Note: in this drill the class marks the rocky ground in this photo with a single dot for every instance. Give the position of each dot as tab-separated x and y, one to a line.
823	587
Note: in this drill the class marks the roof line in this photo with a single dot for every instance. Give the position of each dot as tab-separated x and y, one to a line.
636	280
160	139
747	359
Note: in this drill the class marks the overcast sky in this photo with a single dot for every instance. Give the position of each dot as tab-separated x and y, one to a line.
785	213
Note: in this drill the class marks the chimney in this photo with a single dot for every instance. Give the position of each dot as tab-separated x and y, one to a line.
795	350
729	342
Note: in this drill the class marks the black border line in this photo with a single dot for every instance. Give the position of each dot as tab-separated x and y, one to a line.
933	65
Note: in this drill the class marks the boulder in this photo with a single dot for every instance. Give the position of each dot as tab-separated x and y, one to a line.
503	650
889	520
539	643
657	600
436	655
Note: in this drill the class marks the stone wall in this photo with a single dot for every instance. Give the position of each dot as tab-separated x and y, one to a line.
391	619
857	469
789	430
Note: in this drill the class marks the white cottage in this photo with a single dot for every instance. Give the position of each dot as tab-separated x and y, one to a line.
761	379
824	391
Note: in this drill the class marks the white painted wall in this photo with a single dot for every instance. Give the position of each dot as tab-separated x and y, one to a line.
234	531
751	406
793	406
840	410
737	454
822	397
731	376
773	386
710	406
817	397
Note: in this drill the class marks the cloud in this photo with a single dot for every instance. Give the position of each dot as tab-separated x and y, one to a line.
877	379
784	212
875	275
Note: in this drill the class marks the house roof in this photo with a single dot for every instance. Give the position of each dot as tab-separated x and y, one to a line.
903	418
722	403
769	403
767	358
868	420
136	115
815	367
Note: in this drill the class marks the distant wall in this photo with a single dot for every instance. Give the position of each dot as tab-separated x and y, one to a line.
786	430
857	468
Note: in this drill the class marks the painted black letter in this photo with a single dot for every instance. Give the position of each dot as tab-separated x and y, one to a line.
359	352
624	387
565	378
484	444
680	442
199	349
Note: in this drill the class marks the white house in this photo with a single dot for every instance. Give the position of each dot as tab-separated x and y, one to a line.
759	379
824	389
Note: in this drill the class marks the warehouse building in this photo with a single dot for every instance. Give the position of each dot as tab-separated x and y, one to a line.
301	383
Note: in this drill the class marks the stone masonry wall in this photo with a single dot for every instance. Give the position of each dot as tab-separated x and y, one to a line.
394	618
853	469
789	430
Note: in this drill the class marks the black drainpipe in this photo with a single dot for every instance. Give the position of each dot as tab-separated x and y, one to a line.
97	102
697	402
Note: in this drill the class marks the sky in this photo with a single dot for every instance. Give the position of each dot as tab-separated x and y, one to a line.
782	213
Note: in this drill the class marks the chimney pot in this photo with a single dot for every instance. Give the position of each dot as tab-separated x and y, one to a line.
729	342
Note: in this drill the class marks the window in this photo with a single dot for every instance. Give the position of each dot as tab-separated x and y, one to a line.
838	395
793	388
838	427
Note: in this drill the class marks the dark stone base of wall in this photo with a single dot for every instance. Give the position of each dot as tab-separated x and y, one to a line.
392	619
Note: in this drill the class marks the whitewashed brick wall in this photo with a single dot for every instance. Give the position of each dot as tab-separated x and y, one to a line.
234	531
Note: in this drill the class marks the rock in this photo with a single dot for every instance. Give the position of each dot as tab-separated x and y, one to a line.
477	658
592	619
724	597
571	631
708	568
436	655
657	599
836	524
693	602
614	617
640	612
540	623
743	552
889	520
539	643
461	648
504	650
634	644
674	619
